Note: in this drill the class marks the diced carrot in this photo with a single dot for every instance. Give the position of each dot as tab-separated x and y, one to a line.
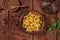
32	30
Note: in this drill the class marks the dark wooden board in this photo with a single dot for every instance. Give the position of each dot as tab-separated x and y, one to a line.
10	30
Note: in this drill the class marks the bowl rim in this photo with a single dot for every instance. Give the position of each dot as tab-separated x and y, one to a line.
21	18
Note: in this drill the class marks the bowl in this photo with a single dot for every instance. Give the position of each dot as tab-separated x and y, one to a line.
22	18
49	7
10	3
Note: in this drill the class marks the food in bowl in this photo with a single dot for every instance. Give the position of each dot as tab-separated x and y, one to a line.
32	22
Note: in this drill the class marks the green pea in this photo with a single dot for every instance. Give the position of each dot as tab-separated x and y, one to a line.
23	25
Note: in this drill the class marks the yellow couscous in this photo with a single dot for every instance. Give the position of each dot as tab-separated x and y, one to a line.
32	22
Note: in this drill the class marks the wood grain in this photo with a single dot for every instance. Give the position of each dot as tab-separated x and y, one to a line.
10	27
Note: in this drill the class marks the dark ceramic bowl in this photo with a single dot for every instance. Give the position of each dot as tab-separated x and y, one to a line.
49	7
21	20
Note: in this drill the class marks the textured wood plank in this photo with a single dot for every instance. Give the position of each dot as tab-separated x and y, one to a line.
3	26
14	27
48	20
2	3
58	36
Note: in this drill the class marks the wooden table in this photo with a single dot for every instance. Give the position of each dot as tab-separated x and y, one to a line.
10	30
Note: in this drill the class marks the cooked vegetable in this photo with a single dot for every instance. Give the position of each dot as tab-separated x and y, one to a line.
32	22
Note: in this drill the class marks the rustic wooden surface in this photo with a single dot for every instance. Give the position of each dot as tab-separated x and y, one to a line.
10	30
